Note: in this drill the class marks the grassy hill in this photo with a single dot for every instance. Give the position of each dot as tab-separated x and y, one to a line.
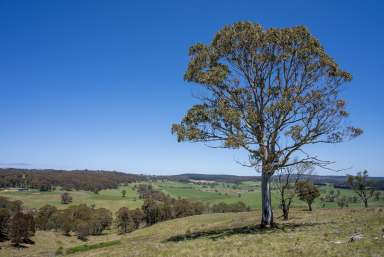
324	232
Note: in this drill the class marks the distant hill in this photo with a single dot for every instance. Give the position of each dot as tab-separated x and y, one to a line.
95	180
337	181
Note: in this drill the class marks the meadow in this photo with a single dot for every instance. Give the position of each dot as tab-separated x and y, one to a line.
247	192
110	199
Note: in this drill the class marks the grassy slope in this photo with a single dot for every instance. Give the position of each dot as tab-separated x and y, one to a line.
323	232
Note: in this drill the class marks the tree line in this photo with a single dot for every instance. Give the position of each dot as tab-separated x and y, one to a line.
48	180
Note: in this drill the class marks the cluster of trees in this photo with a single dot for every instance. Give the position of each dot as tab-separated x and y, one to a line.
15	225
18	225
159	207
80	219
47	180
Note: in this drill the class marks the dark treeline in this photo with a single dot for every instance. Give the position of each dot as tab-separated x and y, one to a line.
47	180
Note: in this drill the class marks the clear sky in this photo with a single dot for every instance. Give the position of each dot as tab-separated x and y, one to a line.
97	84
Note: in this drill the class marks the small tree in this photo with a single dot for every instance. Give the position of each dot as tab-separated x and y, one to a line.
64	221
66	198
124	220
123	193
101	219
43	217
362	186
22	227
82	230
307	192
286	181
5	216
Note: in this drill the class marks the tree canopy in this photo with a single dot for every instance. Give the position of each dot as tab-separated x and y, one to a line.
270	91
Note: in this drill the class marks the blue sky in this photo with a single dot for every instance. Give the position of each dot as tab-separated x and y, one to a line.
97	84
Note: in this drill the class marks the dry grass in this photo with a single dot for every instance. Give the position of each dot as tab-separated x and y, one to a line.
323	232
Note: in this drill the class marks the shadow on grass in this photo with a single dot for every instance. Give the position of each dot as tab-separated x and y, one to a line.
215	234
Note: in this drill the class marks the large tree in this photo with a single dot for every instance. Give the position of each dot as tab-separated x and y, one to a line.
270	92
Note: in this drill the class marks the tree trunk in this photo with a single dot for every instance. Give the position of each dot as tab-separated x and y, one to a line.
310	206
285	213
267	214
366	203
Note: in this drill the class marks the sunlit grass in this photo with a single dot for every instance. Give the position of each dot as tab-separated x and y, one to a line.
324	232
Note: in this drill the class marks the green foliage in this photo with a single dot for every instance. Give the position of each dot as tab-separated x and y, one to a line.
265	87
21	228
128	220
254	78
5	216
45	217
307	192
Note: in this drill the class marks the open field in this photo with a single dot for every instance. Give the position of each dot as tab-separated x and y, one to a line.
324	232
248	192
110	199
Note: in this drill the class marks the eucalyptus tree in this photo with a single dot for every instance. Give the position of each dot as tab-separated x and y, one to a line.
362	186
270	92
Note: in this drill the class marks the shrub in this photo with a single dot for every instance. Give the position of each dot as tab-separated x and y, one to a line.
66	198
44	217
